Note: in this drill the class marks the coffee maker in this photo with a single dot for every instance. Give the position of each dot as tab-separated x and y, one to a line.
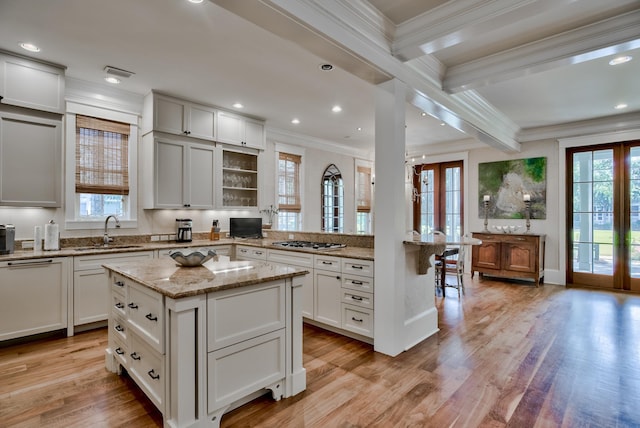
183	229
7	235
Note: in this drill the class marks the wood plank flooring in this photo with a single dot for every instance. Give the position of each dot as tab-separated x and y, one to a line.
507	354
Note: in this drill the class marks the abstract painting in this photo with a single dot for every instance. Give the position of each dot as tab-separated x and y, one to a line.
508	183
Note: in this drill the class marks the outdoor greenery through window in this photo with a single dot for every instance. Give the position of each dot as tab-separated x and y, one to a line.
332	200
102	175
289	204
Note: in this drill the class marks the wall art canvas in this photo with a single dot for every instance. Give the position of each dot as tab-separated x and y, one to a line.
506	183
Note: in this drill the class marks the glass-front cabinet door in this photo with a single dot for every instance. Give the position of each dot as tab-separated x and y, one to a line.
239	179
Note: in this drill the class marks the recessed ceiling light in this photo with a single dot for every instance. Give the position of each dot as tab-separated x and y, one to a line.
238	105
442	124
196	1
336	109
423	114
620	60
621	106
113	80
326	67
424	156
29	47
359	128
295	121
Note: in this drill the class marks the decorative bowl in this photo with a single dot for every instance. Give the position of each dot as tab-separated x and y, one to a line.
506	229
191	258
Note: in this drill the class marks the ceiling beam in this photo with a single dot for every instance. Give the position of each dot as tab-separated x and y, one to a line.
458	21
604	38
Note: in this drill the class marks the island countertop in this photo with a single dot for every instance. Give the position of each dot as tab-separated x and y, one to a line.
172	280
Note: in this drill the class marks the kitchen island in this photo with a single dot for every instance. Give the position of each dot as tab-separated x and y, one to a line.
200	341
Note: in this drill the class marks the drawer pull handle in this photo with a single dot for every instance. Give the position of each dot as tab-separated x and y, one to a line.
358	298
135	356
119	305
119	328
356	267
152	374
119	283
326	263
133	305
356	319
259	253
150	317
356	282
119	351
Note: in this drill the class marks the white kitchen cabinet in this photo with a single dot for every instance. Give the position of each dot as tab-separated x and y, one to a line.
91	301
180	117
244	252
240	131
30	160
327	290
177	173
239	177
31	84
299	260
33	296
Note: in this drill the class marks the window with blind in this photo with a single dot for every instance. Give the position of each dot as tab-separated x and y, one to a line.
289	201
102	174
363	199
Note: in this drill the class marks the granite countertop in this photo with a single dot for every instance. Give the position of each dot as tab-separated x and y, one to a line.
172	280
351	252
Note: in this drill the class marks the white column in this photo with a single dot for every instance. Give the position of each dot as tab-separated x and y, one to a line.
390	224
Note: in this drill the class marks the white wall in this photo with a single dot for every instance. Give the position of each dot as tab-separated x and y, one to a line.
553	226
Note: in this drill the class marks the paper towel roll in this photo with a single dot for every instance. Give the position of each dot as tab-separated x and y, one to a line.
51	236
37	238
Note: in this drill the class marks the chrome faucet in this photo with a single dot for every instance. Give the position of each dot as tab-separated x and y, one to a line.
106	238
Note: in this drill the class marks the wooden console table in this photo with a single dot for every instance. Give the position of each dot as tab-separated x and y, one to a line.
509	255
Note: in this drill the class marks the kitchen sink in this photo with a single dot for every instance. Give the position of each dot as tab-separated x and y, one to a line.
106	247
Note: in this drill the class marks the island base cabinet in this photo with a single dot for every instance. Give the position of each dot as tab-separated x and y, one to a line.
239	370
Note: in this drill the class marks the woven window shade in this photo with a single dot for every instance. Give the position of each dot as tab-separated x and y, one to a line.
102	156
289	182
364	189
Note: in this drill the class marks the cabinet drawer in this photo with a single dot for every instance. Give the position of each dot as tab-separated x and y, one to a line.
329	263
357	320
290	258
96	261
146	315
234	316
118	305
241	369
250	253
119	328
120	350
118	284
364	300
358	283
357	267
147	369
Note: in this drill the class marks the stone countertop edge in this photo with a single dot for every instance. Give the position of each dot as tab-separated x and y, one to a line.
174	281
350	252
427	249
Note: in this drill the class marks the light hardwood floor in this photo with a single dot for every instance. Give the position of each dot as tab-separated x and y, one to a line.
506	355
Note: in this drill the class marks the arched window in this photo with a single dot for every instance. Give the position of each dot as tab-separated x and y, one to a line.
332	200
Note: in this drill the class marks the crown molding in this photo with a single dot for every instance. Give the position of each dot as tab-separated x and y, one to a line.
617	123
592	41
97	95
279	135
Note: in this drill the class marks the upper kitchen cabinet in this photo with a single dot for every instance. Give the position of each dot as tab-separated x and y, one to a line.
175	116
31	84
240	131
239	177
30	160
177	173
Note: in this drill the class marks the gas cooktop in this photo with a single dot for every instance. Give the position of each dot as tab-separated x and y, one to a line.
309	245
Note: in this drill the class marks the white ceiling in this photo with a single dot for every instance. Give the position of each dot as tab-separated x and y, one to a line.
508	67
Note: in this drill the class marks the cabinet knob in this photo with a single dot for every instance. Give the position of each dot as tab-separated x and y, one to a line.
338	277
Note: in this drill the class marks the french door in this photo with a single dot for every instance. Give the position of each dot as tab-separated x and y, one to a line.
604	225
438	196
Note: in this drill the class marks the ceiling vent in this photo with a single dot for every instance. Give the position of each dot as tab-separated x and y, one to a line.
118	72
